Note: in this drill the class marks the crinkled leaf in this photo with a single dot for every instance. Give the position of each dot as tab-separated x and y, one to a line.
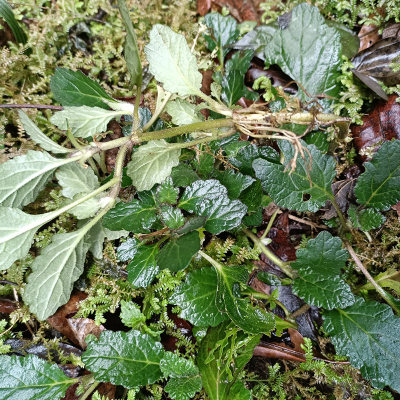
367	332
84	121
379	185
319	139
183	388
167	193
235	182
6	12
209	198
309	51
136	216
183	176
172	217
124	358
365	219
143	268
31	378
183	112
131	316
319	266
177	253
23	177
152	163
39	137
73	88
171	61
174	366
196	297
75	179
305	189
127	250
252	197
54	273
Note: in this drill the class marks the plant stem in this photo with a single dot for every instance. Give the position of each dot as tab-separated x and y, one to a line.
157	112
379	289
270	222
185	145
284	266
216	264
37	106
90	390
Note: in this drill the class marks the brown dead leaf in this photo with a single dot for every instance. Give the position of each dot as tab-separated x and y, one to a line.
368	35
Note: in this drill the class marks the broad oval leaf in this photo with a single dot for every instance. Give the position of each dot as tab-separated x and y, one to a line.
152	163
31	378
183	112
124	358
171	61
367	332
143	268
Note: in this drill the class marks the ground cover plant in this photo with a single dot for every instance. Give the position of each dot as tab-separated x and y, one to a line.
181	236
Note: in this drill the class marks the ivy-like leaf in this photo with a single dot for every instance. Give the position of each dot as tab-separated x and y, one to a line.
39	137
23	177
136	216
309	51
73	88
196	297
31	378
365	219
305	189
177	253
171	61
124	358
143	268
379	185
183	112
84	121
152	163
54	272
367	332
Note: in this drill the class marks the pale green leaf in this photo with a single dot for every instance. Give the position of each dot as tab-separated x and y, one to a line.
88	208
152	163
171	61
131	316
23	177
84	121
183	112
31	378
39	137
183	388
54	272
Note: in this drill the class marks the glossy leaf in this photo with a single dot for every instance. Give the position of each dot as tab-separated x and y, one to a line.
171	61
235	182
183	112
177	253
196	297
305	189
143	268
379	185
183	176
367	332
127	250
131	315
152	163
366	219
73	88
167	193
116	355
183	388
6	12
172	217
31	378
23	177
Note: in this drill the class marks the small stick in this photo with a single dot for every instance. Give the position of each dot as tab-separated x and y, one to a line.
38	106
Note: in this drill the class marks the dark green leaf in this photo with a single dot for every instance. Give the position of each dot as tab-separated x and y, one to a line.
115	355
183	176
234	181
177	253
204	164
319	140
304	189
196	297
269	279
379	185
365	219
143	268
73	88
191	224
127	250
309	51
348	38
367	332
172	217
7	14
31	378
319	266
167	193
252	196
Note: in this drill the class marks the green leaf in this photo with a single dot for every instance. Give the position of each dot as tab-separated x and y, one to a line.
309	51
7	14
349	39
55	271
171	61
143	268
379	185
304	189
177	253
183	112
209	198
73	88
23	177
127	250
75	179
367	333
131	315
365	219
152	163
319	139
88	208
174	366
172	217
132	57
116	355
319	266
234	181
191	224
31	378
252	197
183	388
183	176
167	193
136	216
196	298
39	137
84	121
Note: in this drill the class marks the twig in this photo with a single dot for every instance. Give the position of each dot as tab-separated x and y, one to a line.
38	106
